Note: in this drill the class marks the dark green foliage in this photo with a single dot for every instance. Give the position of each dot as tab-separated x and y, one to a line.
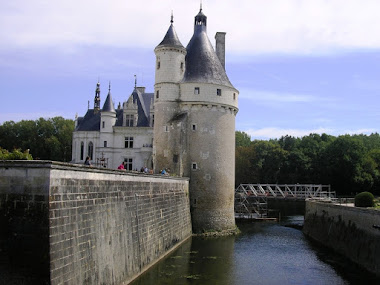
49	139
364	199
350	164
242	139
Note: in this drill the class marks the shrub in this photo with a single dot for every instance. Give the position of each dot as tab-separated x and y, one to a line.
364	199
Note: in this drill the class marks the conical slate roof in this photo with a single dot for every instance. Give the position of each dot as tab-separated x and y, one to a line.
202	63
108	104
171	38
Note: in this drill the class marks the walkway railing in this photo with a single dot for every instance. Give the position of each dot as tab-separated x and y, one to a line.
298	191
251	199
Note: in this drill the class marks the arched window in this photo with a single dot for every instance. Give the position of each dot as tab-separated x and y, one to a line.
90	150
81	150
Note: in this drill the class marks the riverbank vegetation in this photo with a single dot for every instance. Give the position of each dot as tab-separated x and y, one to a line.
48	139
349	163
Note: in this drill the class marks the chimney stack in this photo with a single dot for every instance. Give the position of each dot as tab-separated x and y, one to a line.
220	47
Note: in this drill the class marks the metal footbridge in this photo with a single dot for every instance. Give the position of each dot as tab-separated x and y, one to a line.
251	199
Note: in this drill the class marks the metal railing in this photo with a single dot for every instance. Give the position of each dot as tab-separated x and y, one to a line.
251	199
299	191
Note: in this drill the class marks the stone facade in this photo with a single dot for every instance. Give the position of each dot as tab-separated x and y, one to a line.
92	225
192	121
194	131
110	136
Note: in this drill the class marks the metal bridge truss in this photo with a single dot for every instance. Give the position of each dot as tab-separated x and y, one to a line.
251	199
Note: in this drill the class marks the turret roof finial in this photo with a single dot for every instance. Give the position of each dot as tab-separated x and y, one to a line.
171	19
201	6
135	81
109	87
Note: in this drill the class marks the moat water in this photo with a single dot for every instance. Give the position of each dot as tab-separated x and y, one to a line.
264	253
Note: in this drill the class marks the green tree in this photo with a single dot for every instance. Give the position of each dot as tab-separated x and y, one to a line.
242	139
48	139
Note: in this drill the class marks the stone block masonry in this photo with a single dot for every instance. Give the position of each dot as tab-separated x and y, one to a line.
84	225
352	232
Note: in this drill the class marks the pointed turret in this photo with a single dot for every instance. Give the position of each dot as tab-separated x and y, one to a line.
171	38
202	63
170	57
108	104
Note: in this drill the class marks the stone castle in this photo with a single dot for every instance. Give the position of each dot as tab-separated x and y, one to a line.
186	126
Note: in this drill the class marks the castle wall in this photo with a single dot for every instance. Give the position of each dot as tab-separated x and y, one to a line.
208	94
94	226
350	231
212	167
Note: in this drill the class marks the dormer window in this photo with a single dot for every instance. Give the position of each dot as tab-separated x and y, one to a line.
129	120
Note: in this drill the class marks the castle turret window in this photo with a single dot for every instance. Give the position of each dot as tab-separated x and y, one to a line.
128	163
194	127
158	65
128	142
105	144
219	92
194	166
157	94
90	151
234	96
81	151
196	91
103	124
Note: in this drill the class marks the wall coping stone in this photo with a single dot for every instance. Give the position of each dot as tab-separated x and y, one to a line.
80	167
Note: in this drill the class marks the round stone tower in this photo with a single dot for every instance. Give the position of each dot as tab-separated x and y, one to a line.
200	130
170	67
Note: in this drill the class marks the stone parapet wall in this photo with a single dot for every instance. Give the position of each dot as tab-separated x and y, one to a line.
104	226
352	232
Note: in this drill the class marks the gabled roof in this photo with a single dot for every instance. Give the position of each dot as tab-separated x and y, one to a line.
143	107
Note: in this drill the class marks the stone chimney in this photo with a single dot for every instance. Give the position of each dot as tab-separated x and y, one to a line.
141	89
220	47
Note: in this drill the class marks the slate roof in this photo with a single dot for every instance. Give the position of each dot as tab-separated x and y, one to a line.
91	120
108	104
202	63
171	39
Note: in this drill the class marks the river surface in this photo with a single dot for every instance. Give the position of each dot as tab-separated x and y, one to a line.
264	253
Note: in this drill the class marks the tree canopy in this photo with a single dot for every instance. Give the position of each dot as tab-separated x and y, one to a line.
48	139
349	163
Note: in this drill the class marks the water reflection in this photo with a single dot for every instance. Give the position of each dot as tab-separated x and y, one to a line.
264	253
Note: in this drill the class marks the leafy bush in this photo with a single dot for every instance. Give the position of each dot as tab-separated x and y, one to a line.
364	199
16	154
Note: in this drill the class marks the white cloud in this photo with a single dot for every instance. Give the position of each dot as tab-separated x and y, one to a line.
252	26
272	132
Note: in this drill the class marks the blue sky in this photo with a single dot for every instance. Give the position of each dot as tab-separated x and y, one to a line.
301	66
